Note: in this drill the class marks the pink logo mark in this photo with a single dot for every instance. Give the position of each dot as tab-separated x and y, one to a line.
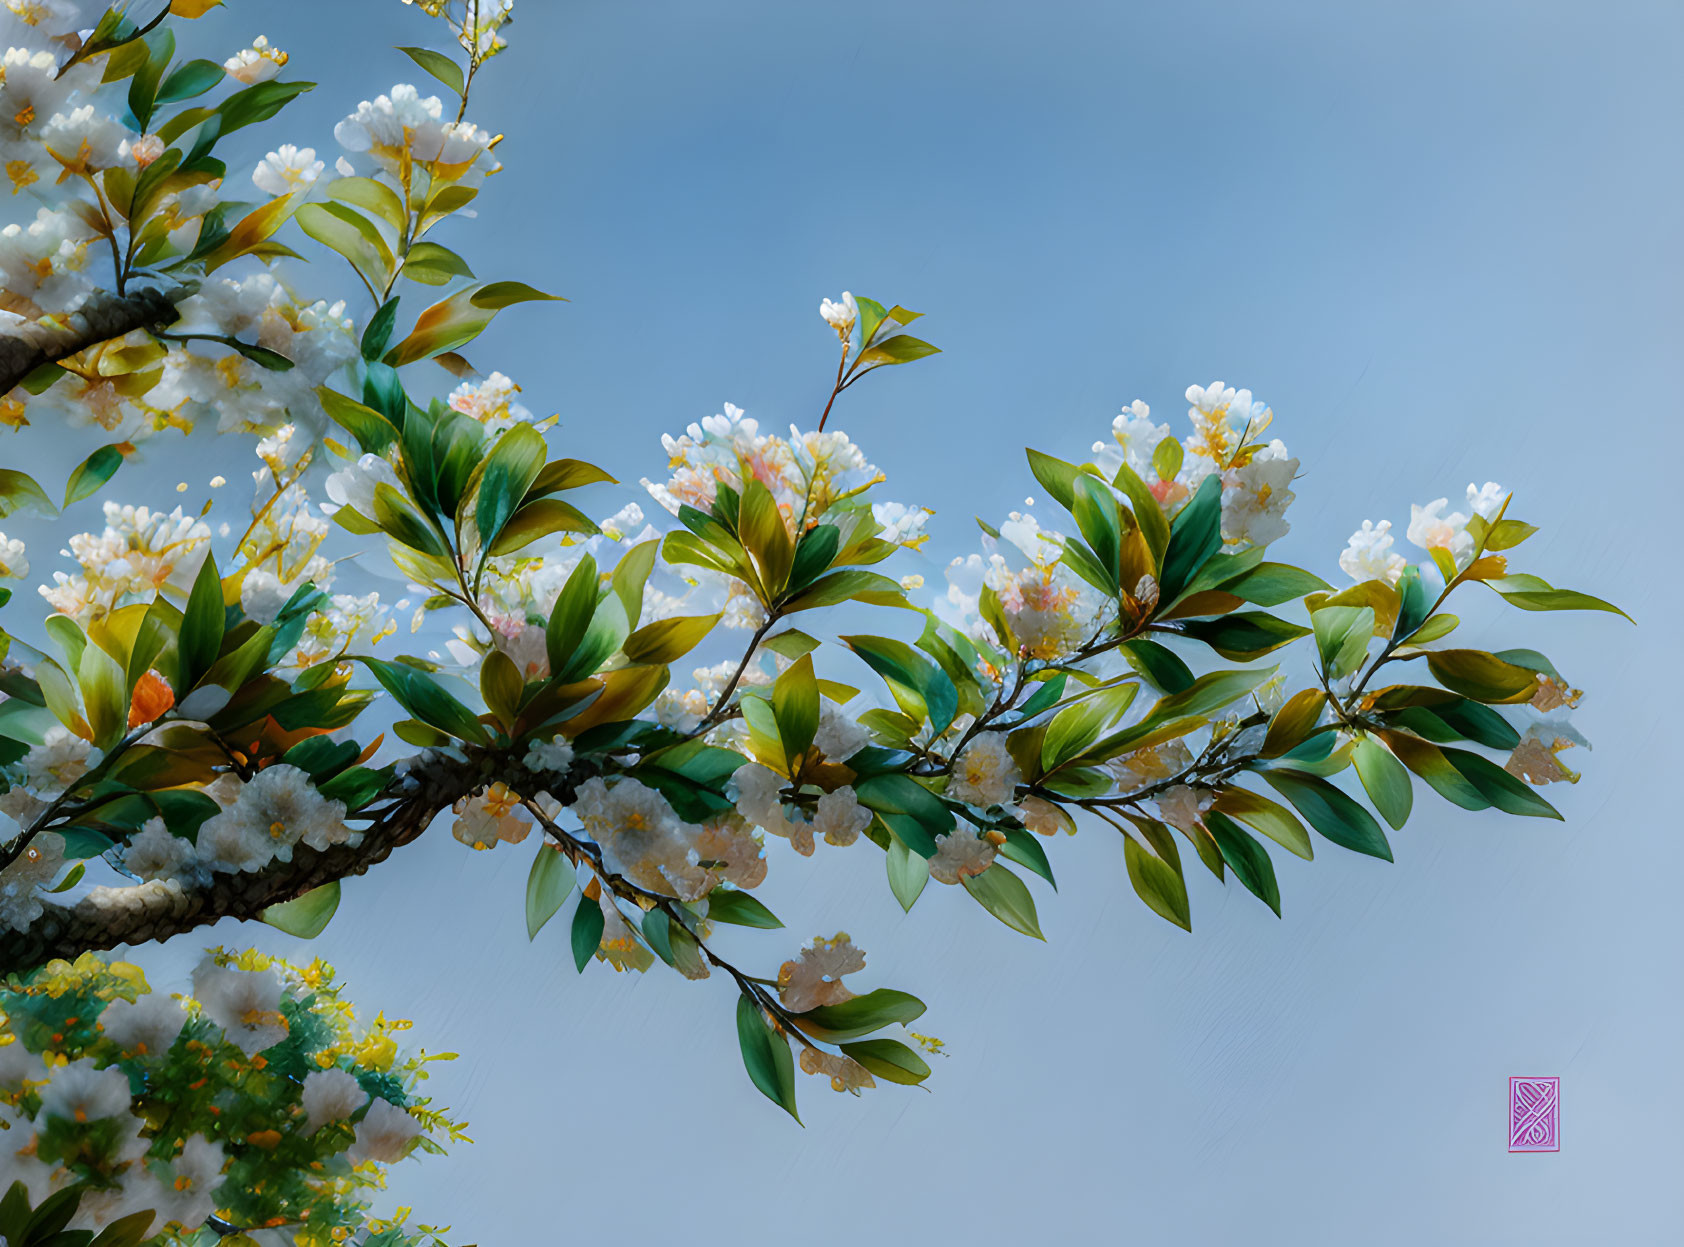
1534	1114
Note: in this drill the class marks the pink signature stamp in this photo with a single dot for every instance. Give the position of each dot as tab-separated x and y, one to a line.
1534	1114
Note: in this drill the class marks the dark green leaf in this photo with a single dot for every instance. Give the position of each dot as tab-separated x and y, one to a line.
587	932
766	1056
91	473
1246	858
1331	812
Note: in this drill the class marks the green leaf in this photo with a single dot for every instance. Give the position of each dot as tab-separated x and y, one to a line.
1074	729
372	196
1331	812
894	793
766	1056
1056	476
1293	721
1481	676
417	693
1274	584
1042	698
433	265
548	885
1007	897
91	473
1194	537
1430	763
908	873
1522	592
1158	664
920	687
398	519
1100	521
1148	513
1264	815
872	316
453	323
190	80
814	553
201	625
510	469
859	1016
586	934
129	1231
889	1059
308	915
378	332
343	229
1167	459
537	520
1246	858
1342	637
143	87
497	295
902	348
438	65
258	103
666	640
795	705
845	586
1158	883
371	429
1385	780
1245	635
740	909
1506	792
18	490
571	616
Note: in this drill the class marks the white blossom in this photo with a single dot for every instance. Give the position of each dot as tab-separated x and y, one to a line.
840	817
79	1092
984	772
246	1004
258	63
154	852
1369	554
960	854
839	736
549	756
330	1095
384	1134
840	315
289	168
277	809
148	1026
21	881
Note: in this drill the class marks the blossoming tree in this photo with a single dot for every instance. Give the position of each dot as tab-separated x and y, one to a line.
656	695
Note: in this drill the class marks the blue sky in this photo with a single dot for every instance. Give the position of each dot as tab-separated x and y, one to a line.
1441	241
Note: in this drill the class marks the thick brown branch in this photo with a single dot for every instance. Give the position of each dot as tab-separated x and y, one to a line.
107	917
103	317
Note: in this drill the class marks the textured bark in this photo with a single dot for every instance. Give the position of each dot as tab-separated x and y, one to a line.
103	317
108	917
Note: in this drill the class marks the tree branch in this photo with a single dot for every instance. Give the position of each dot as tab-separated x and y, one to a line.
103	317
107	917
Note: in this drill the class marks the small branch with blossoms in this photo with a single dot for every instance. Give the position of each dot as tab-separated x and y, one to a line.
193	743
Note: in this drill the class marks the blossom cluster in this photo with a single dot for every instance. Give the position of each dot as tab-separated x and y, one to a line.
258	1098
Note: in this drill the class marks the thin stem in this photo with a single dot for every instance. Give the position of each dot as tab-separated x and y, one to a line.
714	715
838	387
590	854
10	853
